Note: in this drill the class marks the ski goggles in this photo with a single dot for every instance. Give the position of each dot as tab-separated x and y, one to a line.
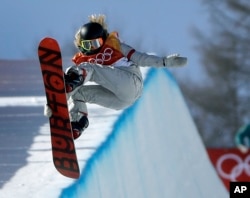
89	45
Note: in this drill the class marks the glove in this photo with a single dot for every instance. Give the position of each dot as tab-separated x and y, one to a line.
242	148
47	111
242	138
174	60
73	78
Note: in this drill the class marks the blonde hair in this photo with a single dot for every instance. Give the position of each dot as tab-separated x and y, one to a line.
100	18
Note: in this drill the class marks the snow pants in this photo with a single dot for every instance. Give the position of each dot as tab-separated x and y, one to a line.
115	88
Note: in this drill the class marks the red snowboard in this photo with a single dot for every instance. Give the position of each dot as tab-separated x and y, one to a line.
63	148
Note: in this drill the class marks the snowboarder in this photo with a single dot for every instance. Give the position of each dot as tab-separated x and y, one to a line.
112	65
242	138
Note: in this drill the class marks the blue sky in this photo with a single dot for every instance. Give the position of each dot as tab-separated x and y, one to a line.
160	26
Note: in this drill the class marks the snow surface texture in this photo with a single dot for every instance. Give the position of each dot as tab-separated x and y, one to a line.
153	151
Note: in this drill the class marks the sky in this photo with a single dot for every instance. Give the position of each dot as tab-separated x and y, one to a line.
159	26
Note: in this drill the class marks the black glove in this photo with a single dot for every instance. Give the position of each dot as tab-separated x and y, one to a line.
73	79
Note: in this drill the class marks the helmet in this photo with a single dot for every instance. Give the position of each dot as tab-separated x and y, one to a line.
91	38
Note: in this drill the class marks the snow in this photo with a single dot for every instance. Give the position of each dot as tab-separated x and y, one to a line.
40	170
23	101
149	150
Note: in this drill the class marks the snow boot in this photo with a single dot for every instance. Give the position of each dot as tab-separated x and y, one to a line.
79	127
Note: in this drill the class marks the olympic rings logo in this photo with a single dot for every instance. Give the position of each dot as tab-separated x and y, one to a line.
237	170
102	57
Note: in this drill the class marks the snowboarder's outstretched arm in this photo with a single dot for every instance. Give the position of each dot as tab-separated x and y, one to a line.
143	59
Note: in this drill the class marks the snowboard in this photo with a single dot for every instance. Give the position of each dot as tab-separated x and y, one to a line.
63	148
